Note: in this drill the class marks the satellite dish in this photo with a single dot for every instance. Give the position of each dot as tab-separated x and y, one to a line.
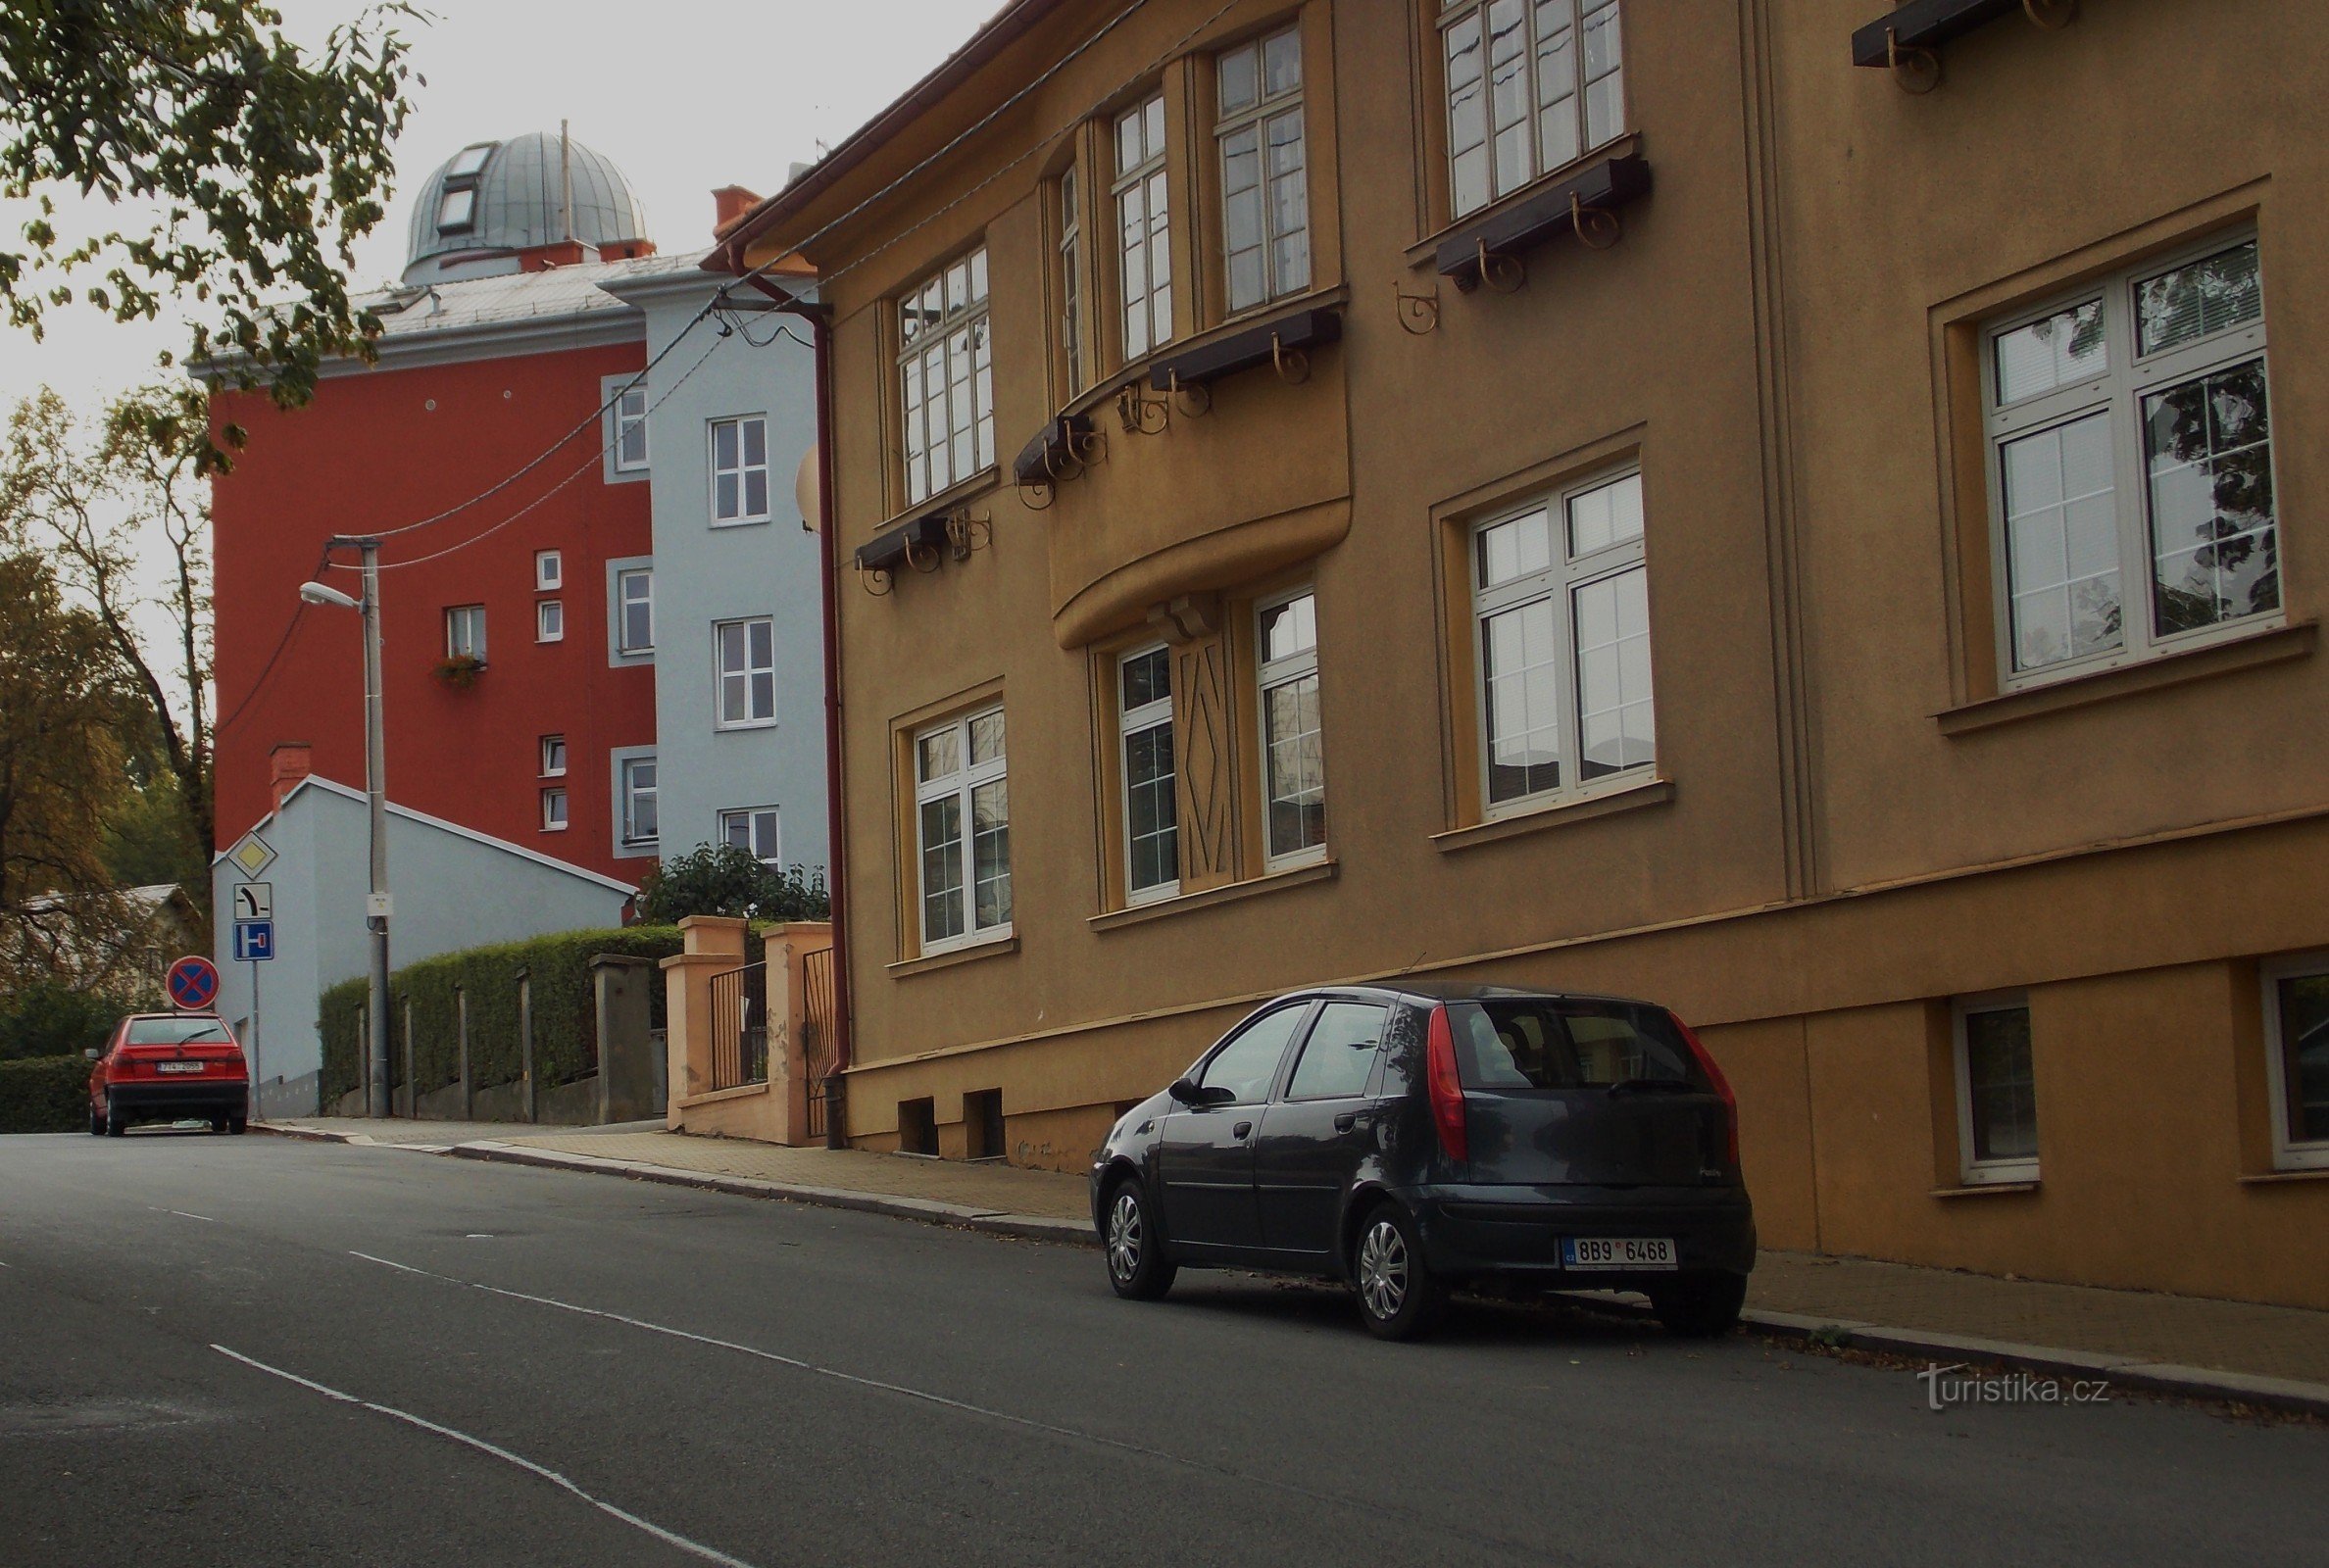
805	490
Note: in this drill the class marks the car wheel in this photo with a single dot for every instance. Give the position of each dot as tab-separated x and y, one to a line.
1701	1308
217	1124
1399	1297
1137	1269
114	1123
96	1123
238	1124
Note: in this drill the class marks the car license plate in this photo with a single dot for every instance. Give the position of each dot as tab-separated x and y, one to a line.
1617	1253
177	1066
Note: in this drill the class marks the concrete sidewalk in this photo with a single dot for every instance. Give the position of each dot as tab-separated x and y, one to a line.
2269	1355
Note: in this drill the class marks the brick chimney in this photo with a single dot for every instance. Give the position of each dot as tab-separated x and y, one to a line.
287	763
728	204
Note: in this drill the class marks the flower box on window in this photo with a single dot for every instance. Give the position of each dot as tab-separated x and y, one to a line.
460	671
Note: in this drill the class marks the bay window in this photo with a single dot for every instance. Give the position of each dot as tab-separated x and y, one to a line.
945	374
1293	765
1264	178
1531	85
1143	228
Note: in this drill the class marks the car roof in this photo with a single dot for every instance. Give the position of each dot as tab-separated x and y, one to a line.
1464	991
137	1016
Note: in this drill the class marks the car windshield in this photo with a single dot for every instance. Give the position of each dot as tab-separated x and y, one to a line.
1560	1042
178	1032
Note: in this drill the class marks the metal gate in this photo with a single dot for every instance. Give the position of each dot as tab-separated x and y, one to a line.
740	1027
817	1033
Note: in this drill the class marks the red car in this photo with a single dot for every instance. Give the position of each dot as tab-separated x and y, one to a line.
169	1066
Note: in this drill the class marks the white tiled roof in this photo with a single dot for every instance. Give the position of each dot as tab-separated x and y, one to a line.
416	312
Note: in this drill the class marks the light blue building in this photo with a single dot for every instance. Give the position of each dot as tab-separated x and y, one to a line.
727	608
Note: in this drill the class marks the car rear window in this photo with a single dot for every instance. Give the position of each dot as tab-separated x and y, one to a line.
178	1032
1559	1043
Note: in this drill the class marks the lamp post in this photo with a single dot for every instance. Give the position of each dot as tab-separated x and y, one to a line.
376	789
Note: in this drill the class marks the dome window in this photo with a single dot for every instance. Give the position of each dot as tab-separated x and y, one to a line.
471	160
458	209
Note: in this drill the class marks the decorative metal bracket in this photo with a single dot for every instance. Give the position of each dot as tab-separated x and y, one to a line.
1913	70
966	531
917	554
868	576
1503	274
1038	494
1590	222
1198	398
1293	366
1141	413
1418	314
2052	15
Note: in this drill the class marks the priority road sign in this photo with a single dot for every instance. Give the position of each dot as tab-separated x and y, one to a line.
251	854
254	941
254	901
192	983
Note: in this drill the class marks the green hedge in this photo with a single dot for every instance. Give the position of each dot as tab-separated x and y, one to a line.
44	1095
565	1013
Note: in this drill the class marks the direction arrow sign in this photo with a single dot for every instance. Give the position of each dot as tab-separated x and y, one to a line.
254	901
192	983
251	854
254	941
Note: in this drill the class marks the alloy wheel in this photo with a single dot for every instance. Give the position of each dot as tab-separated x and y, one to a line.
1123	1236
1383	1269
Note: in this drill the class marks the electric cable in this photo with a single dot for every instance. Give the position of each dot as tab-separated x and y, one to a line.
266	669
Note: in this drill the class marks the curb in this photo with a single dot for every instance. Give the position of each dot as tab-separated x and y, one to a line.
2124	1371
990	1221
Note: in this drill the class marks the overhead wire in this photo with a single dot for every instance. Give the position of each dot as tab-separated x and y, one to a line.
266	669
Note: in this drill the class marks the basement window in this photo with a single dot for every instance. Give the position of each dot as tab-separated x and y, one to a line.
917	1127
982	1124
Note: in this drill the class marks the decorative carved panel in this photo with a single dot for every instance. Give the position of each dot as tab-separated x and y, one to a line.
1204	731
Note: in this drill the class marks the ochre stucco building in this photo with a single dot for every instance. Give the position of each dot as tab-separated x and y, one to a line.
1620	496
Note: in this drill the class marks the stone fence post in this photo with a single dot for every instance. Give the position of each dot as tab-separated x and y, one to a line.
626	1057
712	944
790	1077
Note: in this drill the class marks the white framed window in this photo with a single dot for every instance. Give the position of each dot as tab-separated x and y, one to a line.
961	805
1143	228
634	610
641	821
1151	799
554	756
740	469
747	676
1072	312
2297	1043
554	811
1561	604
549	620
1532	85
753	828
549	570
631	429
946	375
1265	172
2130	455
1293	757
1996	1091
469	162
465	633
457	209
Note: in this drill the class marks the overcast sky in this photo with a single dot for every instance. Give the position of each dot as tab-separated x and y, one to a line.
683	95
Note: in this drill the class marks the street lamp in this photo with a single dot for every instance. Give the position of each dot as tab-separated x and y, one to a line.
376	789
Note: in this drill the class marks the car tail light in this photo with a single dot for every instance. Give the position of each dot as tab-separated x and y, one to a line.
1447	1089
1723	1088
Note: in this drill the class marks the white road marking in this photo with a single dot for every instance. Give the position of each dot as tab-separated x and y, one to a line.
794	1363
183	1214
672	1538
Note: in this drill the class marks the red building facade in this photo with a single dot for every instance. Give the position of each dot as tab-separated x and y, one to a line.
488	360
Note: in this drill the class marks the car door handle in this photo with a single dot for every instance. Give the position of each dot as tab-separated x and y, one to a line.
1240	1130
1352	1118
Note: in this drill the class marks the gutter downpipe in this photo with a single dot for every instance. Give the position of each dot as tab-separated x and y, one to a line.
819	318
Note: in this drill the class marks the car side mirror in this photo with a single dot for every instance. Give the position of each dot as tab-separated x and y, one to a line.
1198	1097
1184	1091
92	1054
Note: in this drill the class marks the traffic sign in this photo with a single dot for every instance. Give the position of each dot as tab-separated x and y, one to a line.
251	854
254	941
254	901
192	983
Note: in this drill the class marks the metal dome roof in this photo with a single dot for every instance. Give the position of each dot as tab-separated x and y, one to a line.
514	200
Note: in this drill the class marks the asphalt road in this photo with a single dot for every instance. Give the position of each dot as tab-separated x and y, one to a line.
253	1351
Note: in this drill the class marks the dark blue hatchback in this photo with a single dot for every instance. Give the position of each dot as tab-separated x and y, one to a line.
1407	1140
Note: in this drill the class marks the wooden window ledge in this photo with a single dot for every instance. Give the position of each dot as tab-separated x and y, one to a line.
1511	232
2269	647
1650	792
1227	893
924	527
2274	1178
1985	1189
993	948
1930	24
